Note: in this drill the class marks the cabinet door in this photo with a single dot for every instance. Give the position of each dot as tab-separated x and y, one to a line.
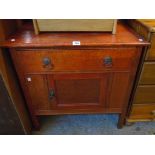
37	92
77	90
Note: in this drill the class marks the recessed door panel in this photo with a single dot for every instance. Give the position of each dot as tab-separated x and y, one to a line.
79	90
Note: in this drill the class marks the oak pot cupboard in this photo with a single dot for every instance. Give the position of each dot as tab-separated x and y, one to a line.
58	77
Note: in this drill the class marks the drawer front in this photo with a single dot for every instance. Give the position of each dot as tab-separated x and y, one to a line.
151	50
145	95
148	73
143	112
74	60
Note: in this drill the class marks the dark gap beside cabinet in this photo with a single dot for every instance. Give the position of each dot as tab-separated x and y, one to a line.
9	120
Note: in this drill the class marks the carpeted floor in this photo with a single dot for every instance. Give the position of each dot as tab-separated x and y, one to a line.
91	125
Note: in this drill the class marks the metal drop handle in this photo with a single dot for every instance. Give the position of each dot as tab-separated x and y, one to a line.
108	61
51	94
46	61
153	112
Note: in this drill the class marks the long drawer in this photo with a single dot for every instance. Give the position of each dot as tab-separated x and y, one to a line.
148	73
151	50
74	60
144	111
145	94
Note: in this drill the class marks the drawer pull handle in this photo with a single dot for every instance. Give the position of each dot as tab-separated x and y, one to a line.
108	61
153	112
51	94
47	63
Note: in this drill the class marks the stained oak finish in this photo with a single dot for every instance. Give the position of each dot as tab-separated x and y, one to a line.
74	59
79	90
7	27
27	38
37	89
59	78
117	99
73	89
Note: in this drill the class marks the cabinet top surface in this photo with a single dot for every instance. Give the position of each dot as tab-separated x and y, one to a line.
149	23
26	38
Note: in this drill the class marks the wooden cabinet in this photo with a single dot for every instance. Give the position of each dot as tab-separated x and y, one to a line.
60	78
60	81
143	96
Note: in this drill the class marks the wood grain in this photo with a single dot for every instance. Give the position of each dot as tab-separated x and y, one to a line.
74	60
79	90
100	93
145	94
148	73
75	67
149	23
26	38
7	28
